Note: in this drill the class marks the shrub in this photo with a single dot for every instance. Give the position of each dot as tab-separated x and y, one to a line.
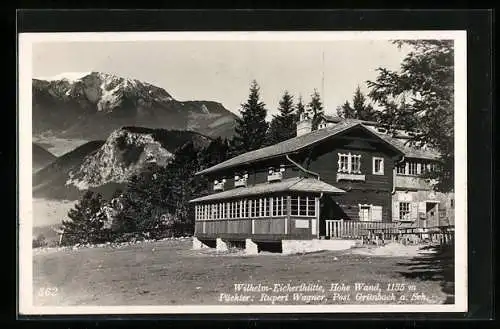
39	241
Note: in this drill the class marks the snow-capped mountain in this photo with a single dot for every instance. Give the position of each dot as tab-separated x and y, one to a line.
107	165
91	105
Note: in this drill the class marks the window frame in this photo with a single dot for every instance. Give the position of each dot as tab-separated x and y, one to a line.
364	205
381	168
348	168
303	206
407	212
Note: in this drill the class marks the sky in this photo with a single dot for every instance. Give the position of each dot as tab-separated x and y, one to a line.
223	70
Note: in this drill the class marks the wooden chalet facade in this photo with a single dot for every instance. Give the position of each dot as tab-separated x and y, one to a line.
345	170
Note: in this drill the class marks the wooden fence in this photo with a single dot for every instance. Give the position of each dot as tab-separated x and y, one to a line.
342	229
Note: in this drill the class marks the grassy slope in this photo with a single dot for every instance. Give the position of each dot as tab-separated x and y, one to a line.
169	273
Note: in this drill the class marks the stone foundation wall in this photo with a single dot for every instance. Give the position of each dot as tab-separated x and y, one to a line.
302	246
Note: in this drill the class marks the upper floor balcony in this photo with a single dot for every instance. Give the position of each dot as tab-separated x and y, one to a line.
412	183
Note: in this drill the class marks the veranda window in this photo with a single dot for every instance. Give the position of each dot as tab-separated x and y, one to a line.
303	206
413	168
278	206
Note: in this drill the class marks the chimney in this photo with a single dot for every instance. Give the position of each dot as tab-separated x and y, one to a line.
304	125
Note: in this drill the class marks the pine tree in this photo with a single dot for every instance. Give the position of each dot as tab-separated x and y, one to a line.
346	111
300	108
316	107
216	152
252	127
425	81
284	125
359	109
362	111
86	221
142	195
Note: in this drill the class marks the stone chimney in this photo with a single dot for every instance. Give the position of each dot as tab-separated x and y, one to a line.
304	125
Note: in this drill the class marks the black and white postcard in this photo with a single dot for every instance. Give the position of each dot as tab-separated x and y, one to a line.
242	172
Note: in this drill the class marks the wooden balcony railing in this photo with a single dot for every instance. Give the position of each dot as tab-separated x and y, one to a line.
343	229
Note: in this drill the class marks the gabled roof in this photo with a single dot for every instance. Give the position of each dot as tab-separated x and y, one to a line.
331	118
409	151
290	145
295	184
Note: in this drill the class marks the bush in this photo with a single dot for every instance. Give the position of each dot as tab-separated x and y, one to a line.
39	241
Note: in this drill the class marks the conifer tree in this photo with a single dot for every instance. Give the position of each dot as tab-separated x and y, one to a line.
252	127
359	109
420	97
300	108
346	111
316	107
86	220
142	195
284	125
362	111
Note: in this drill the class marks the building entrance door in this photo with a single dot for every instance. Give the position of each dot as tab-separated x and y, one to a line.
364	214
431	214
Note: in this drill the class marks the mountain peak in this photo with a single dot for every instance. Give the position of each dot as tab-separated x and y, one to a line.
68	76
90	105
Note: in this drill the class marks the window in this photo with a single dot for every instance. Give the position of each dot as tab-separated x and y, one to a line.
412	168
356	164
378	166
404	211
365	212
231	209
244	209
303	206
349	163
237	208
214	211
294	206
266	207
401	169
311	207
343	162
219	184
278	206
452	203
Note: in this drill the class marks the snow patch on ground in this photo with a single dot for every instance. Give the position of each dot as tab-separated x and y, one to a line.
391	250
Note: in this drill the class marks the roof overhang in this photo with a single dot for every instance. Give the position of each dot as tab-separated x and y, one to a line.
296	184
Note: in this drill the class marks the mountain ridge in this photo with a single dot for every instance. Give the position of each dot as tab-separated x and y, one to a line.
41	157
106	165
91	106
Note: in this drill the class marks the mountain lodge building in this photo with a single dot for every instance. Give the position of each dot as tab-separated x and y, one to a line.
347	171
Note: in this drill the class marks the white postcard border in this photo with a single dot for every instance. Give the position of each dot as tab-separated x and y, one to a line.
26	41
